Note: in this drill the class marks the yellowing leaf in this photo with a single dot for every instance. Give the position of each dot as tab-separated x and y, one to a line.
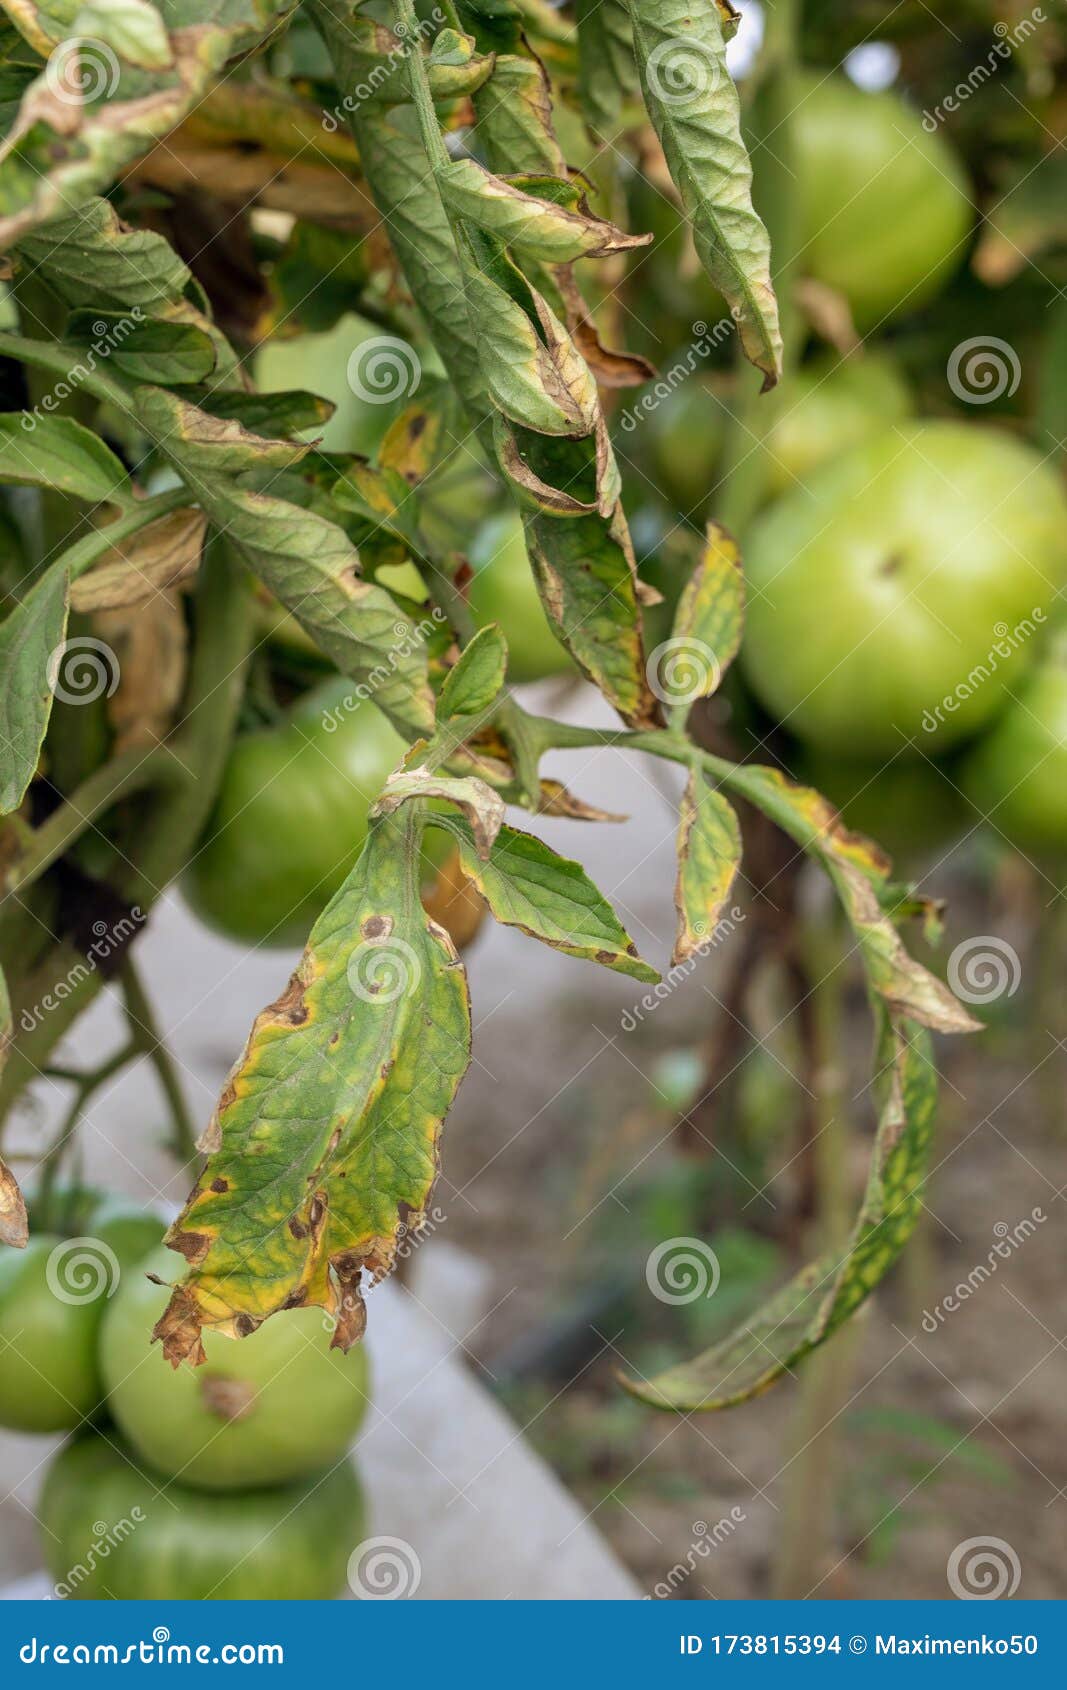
709	854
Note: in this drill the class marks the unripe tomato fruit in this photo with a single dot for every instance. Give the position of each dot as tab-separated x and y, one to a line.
892	599
826	408
503	590
165	1542
261	1410
885	204
1016	774
291	816
52	1300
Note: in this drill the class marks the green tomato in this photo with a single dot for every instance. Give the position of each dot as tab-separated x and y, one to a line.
684	437
52	1300
291	816
885	204
1016	774
908	807
892	599
110	1530
503	590
339	366
261	1410
826	408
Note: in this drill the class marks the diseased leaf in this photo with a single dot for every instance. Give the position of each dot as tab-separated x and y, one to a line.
483	808
711	609
271	414
694	108
324	1142
709	854
58	452
543	216
306	561
861	876
158	556
607	70
145	350
533	371
30	635
474	682
527	885
94	259
513	111
804	1313
402	182
95	109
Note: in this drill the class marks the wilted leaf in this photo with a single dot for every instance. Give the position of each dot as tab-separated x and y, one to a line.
711	609
160	555
307	562
514	118
474	682
324	1142
815	1303
483	807
150	643
30	635
694	108
709	854
58	452
861	876
543	216
94	109
93	258
527	885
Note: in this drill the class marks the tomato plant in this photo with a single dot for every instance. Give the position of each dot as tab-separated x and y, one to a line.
288	513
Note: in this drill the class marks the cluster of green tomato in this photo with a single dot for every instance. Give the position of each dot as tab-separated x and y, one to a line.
903	573
231	1480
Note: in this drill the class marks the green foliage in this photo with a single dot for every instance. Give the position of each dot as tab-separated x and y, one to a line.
473	245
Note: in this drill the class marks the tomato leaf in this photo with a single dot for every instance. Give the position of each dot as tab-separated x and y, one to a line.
544	216
483	807
30	635
63	147
306	561
607	70
527	885
693	104
149	350
861	877
711	610
709	855
804	1313
94	259
474	682
157	556
58	452
323	1146
513	111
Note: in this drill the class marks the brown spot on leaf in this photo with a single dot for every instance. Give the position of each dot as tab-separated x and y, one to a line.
220	1185
290	1007
316	1212
178	1329
376	927
296	1299
245	1324
194	1246
297	1227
